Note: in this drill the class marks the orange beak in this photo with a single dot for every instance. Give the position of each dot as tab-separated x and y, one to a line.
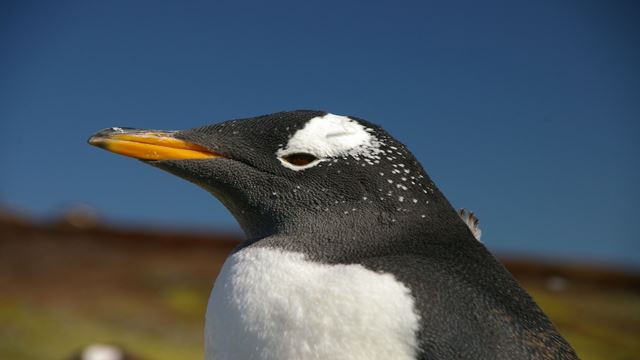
149	145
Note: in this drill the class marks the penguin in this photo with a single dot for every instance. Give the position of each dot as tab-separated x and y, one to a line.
351	251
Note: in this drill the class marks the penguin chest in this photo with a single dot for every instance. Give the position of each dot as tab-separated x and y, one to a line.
270	304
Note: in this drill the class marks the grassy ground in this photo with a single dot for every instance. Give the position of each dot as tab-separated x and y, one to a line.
600	325
54	331
62	289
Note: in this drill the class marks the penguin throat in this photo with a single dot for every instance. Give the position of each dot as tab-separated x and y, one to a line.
341	238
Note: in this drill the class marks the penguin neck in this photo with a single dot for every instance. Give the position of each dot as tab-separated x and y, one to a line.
346	233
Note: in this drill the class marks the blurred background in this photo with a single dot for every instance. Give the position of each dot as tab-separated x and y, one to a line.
525	112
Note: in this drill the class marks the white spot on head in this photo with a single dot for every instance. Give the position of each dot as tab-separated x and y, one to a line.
330	136
101	352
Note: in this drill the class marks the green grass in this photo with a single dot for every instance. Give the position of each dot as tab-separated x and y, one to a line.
36	331
599	324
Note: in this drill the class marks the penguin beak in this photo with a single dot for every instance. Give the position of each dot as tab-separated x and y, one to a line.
149	144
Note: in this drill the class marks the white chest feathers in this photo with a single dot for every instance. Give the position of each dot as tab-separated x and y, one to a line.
269	304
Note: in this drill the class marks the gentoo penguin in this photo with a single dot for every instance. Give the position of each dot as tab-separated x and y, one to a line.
351	251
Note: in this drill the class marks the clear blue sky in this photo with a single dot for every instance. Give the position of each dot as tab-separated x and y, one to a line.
526	112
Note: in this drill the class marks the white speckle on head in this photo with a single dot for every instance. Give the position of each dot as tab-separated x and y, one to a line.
269	304
117	129
401	198
101	352
330	136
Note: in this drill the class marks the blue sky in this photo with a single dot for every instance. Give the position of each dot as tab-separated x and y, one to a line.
526	112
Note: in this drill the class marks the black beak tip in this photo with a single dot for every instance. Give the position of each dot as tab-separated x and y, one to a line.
96	139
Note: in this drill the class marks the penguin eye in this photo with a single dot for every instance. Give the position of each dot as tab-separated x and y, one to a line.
299	159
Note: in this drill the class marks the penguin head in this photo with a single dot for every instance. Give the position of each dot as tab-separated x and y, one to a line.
287	171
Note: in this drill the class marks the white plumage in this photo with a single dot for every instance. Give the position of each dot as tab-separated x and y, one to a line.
269	304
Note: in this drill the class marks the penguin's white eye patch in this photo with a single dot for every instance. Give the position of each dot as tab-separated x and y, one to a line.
300	159
326	137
